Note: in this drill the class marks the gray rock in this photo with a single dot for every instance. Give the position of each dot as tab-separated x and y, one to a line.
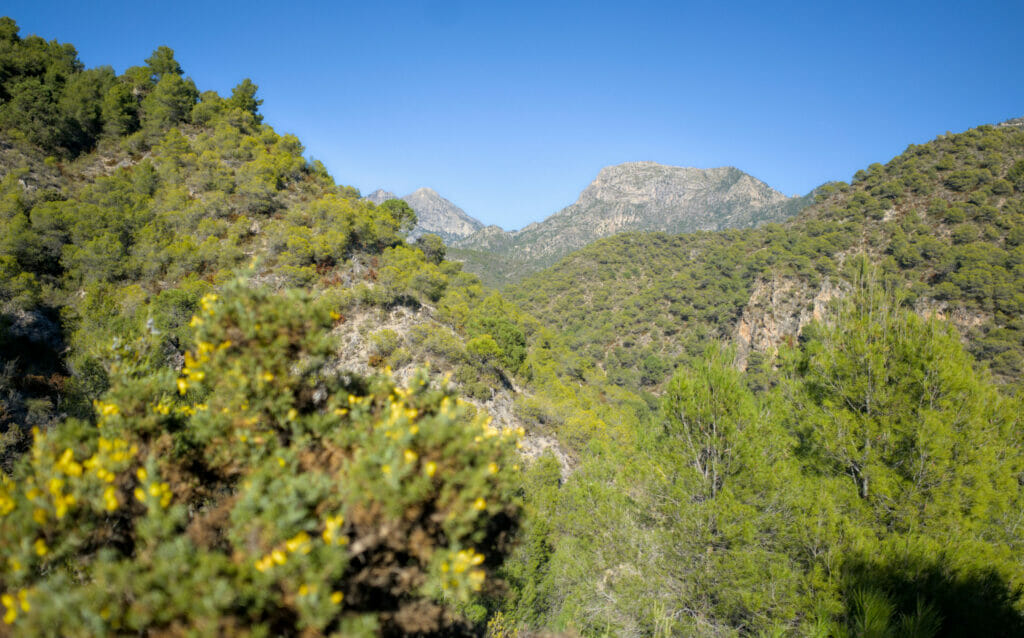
434	214
636	196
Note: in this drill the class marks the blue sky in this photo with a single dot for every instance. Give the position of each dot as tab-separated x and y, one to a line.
509	109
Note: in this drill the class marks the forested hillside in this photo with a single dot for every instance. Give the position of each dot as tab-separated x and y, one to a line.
944	221
181	454
236	400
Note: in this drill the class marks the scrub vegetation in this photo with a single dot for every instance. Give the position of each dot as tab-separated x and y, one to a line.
183	454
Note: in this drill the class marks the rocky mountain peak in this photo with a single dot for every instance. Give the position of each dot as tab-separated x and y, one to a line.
380	196
434	214
634	196
440	216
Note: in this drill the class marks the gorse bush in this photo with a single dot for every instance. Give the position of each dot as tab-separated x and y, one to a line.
185	451
256	492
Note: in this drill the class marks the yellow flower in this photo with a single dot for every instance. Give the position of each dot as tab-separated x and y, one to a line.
12	612
300	541
108	409
39	515
140	495
110	498
410	456
332	524
337	597
55	485
142	474
303	589
278	557
182	386
492	468
476	579
479	504
386	470
430	468
267	376
61	503
40	547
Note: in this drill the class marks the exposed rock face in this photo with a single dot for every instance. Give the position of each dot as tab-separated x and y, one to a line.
636	196
779	309
434	214
380	196
355	354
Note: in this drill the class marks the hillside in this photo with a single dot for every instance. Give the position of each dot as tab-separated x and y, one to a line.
944	219
634	196
187	306
236	400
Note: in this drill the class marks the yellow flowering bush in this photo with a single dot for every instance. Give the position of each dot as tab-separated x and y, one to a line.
257	490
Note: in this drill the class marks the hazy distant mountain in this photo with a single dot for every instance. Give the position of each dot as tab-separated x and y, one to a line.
628	197
380	196
434	214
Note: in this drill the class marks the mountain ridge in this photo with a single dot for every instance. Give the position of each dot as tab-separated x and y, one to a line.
632	196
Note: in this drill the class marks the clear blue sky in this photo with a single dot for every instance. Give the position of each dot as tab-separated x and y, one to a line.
509	109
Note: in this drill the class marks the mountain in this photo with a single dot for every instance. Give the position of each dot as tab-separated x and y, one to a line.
434	214
380	196
634	196
226	378
944	221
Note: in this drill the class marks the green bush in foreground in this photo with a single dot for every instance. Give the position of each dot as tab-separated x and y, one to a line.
256	493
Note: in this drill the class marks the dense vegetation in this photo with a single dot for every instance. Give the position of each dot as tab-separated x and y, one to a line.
230	402
874	491
944	219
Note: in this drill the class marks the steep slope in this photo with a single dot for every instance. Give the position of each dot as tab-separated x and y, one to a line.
944	219
434	214
628	197
191	290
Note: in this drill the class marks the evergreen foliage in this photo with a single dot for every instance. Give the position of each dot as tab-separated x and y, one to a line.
943	219
182	451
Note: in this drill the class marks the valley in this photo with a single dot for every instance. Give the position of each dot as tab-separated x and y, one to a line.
238	397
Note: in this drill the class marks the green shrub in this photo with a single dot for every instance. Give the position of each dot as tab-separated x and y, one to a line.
255	492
